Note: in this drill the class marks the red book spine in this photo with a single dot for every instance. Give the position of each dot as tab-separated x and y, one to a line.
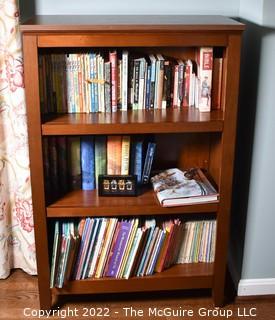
114	77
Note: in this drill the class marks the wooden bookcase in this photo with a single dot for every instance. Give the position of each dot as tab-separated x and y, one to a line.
186	138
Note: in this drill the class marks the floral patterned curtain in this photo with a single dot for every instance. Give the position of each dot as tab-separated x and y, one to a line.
17	248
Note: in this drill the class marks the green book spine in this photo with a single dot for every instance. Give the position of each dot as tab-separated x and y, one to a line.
74	163
100	157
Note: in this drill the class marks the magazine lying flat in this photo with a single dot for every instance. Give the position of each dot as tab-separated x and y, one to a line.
174	187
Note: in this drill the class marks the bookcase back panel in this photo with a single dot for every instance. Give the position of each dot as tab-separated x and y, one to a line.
215	157
182	151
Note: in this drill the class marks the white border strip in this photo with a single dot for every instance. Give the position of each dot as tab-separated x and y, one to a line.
256	287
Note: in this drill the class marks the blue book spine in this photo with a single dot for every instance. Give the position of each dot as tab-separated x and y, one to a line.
148	88
148	162
88	163
137	157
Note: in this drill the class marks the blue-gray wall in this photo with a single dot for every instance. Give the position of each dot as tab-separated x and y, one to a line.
137	7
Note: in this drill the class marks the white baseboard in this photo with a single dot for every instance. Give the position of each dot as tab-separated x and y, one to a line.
256	287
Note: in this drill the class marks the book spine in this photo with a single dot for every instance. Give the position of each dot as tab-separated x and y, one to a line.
187	79
106	247
101	84
98	247
62	163
114	155
124	99
92	84
136	160
46	162
144	253
89	224
148	87
107	86
136	83
88	163
113	60
217	83
119	249
55	253
100	157
128	248
205	76
74	163
180	84
141	84
148	162
175	90
119	83
153	80
69	83
155	253
160	82
132	254
125	155
54	165
91	248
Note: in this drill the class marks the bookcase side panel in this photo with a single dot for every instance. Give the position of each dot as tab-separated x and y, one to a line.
36	166
227	165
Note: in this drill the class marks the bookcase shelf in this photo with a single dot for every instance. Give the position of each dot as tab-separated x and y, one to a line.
184	137
186	276
87	203
134	122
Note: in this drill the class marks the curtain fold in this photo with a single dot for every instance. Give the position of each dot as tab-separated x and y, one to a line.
17	246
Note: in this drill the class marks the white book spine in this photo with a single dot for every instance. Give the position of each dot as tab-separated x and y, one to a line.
124	98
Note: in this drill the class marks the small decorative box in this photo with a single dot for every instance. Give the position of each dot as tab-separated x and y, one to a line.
117	185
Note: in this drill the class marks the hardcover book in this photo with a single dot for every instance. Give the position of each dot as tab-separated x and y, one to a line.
88	163
205	67
174	187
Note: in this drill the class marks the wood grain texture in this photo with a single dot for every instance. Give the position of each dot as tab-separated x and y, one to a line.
187	276
227	161
88	203
133	39
20	291
134	122
36	166
70	23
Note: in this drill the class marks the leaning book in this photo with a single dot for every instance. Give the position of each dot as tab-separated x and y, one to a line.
174	187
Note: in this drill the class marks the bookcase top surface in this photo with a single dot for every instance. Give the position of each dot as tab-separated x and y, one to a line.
78	23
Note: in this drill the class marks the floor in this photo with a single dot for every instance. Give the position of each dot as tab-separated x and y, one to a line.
19	300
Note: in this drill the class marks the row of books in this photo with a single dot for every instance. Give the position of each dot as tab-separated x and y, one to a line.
108	81
109	247
75	163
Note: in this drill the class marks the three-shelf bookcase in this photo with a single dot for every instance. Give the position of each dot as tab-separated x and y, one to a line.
185	138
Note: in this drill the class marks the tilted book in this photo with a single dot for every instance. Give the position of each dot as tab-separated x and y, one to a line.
174	187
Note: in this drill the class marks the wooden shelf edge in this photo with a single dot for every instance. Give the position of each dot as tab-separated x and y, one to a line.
186	276
134	122
87	203
78	211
